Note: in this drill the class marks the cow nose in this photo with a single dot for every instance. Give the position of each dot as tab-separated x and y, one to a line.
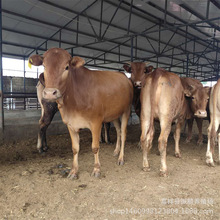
51	94
137	83
201	113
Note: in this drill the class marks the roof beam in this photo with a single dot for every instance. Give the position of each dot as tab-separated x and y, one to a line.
69	22
187	8
214	2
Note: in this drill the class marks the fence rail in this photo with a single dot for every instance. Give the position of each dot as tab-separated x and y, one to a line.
16	100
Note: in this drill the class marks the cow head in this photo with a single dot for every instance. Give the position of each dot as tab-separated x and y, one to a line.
56	62
138	71
199	97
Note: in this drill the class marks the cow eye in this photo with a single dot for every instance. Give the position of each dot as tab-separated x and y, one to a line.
193	97
67	67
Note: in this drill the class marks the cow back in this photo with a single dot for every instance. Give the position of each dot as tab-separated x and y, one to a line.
93	94
164	92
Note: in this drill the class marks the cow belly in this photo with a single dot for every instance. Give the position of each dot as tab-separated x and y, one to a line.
78	122
74	120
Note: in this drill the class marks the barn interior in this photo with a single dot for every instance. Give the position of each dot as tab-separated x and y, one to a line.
181	36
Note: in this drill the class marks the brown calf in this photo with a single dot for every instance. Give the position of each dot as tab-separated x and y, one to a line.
197	100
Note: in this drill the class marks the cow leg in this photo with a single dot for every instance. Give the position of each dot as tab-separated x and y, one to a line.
211	142
47	113
75	148
145	140
96	131
117	125
107	129
102	139
124	123
218	147
146	146
190	125
199	122
162	145
42	142
177	138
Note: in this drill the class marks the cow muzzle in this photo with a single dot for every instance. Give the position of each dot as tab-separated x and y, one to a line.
200	114
137	84
51	94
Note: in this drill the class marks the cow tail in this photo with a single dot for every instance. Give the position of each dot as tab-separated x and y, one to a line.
155	77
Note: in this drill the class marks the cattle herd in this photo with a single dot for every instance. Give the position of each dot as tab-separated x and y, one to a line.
90	99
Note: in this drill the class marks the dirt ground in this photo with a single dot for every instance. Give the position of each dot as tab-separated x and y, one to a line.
34	186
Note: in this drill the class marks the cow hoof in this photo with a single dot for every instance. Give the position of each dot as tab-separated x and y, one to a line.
210	164
146	169
139	146
177	155
120	162
96	174
72	176
45	149
199	142
188	140
158	153
163	174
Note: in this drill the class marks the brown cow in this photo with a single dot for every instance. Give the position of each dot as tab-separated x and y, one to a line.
197	100
85	99
137	71
214	107
48	110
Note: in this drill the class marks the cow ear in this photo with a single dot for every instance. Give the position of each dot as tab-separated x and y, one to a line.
41	79
127	68
187	93
36	60
77	62
208	90
148	69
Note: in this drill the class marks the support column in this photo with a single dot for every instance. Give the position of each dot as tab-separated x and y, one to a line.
24	85
1	80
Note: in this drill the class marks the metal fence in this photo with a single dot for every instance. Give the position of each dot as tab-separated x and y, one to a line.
16	101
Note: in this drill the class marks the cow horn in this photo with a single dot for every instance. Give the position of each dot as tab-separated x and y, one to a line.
129	63
146	63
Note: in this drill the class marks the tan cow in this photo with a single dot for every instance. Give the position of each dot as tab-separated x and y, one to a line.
137	71
197	100
214	107
85	99
162	98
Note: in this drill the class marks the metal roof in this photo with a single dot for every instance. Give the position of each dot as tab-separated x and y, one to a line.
179	35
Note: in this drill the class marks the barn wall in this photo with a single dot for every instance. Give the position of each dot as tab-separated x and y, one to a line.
18	84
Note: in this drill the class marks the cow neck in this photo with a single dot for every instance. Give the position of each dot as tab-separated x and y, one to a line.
78	88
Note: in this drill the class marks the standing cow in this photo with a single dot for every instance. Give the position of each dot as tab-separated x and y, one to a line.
85	99
48	110
197	98
214	107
